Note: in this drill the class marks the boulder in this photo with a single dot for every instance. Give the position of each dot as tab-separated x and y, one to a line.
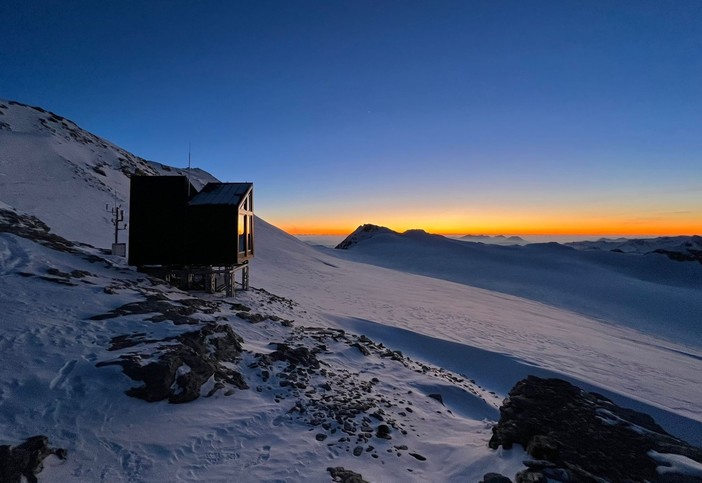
574	435
26	459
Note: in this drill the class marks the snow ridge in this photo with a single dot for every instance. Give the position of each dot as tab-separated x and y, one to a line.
46	157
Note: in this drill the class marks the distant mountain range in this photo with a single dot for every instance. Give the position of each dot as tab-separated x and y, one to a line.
496	240
681	248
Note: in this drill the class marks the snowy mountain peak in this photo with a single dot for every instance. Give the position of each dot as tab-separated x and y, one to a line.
66	176
368	231
363	232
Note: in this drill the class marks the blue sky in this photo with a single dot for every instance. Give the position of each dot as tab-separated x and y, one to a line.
493	116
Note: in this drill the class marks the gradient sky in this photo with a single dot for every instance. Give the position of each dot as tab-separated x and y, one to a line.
517	117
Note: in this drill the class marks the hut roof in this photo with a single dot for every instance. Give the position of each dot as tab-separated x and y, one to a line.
221	194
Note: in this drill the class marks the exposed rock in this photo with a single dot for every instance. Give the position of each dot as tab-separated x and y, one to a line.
691	255
298	356
177	312
32	228
361	348
183	364
343	475
580	436
495	478
383	432
438	397
253	318
26	459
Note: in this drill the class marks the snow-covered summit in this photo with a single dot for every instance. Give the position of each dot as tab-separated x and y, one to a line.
55	170
369	231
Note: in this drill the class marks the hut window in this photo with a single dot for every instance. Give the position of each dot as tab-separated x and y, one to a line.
249	234
242	233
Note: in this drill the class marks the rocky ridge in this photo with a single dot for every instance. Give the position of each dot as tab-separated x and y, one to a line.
573	435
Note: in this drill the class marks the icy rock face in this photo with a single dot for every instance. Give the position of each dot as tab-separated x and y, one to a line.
361	233
578	436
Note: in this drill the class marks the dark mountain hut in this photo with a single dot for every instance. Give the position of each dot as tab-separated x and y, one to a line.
158	216
220	219
190	233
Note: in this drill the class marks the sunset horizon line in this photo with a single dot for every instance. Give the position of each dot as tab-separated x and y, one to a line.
603	233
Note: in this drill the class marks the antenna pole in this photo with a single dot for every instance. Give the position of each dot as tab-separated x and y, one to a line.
117	218
188	170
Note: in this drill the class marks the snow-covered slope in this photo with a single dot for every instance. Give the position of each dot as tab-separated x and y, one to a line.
651	292
319	353
467	345
370	298
48	164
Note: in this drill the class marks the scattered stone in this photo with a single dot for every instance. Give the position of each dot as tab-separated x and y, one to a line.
253	318
383	432
358	450
438	397
177	312
320	436
418	456
361	348
298	356
343	475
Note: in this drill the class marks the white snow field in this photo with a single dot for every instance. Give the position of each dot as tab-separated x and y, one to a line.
644	291
468	344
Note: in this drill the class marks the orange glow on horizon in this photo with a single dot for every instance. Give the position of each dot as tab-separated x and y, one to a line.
556	227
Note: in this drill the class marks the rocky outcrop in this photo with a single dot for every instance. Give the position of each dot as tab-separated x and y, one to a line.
32	228
179	312
26	460
574	435
182	366
343	475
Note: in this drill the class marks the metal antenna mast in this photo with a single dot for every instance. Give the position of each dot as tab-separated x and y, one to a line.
117	218
188	170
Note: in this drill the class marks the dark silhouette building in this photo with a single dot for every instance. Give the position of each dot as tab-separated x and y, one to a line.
173	225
